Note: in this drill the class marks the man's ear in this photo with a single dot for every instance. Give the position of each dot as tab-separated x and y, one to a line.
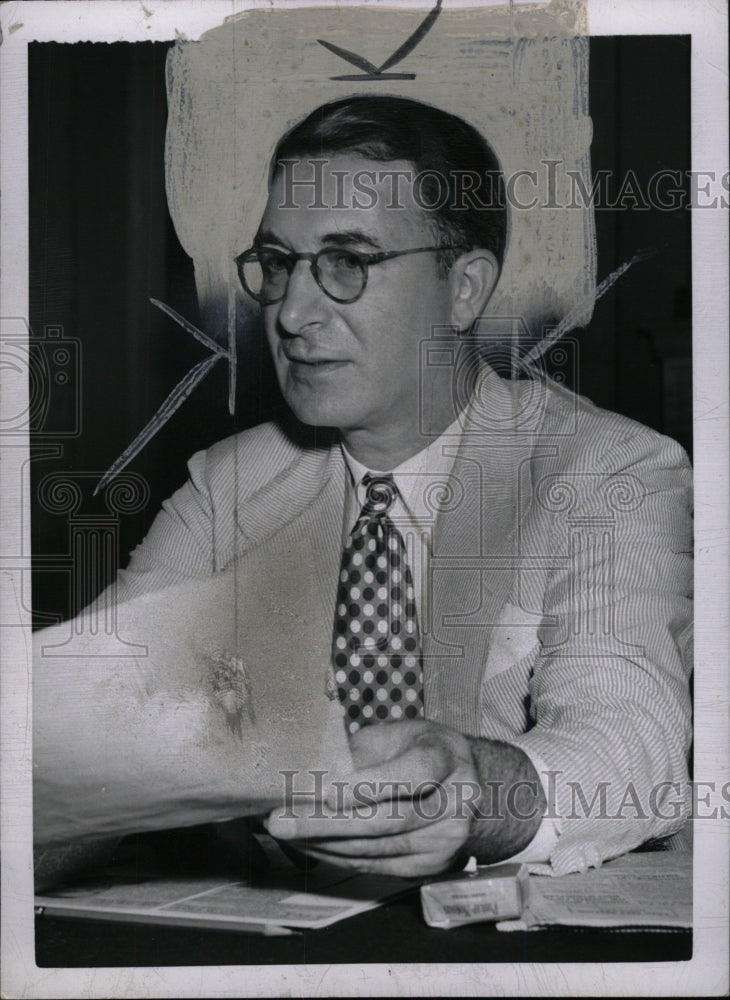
472	280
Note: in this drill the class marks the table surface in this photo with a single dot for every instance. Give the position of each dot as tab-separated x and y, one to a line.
391	934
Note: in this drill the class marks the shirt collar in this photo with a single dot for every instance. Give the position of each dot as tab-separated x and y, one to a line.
436	461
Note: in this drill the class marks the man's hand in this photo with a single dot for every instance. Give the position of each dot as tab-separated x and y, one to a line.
416	803
400	814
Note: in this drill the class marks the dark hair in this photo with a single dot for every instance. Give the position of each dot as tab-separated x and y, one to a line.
434	141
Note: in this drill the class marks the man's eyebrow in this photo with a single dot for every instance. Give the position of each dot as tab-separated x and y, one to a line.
342	237
346	237
267	236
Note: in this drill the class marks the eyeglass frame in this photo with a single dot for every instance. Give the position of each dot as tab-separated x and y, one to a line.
364	259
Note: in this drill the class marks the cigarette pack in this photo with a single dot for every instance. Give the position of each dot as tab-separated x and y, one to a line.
495	892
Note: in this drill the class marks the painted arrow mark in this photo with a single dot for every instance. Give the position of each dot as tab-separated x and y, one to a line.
372	72
181	392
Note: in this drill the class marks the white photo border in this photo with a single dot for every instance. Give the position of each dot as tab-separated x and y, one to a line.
707	972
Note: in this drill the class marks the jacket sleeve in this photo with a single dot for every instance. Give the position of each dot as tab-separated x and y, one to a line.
609	693
179	545
197	532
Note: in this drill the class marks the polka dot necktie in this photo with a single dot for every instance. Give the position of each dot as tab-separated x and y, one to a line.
376	646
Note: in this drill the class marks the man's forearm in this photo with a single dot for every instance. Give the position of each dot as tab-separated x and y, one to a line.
510	807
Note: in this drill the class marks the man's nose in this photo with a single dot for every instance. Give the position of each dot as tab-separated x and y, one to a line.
304	301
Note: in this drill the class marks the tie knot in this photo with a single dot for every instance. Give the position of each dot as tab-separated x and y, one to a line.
380	493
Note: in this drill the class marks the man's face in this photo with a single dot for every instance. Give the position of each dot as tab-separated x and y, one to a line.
353	366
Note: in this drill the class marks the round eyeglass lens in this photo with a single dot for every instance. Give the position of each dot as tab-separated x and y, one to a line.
341	274
266	276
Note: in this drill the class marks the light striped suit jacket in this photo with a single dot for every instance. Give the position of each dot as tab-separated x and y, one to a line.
557	615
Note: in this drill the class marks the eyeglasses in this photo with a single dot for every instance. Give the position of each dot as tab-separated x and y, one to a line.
341	274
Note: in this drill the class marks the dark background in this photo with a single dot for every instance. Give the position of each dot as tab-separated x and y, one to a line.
102	244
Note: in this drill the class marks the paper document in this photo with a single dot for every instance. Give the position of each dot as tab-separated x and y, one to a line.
322	896
229	664
651	889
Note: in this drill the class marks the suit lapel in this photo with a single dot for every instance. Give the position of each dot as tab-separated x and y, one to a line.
299	516
476	548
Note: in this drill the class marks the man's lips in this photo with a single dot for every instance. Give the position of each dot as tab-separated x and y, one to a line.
310	361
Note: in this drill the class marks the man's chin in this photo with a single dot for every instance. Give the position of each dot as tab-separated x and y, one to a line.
318	413
319	406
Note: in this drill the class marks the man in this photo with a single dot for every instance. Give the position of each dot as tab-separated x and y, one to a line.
505	568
